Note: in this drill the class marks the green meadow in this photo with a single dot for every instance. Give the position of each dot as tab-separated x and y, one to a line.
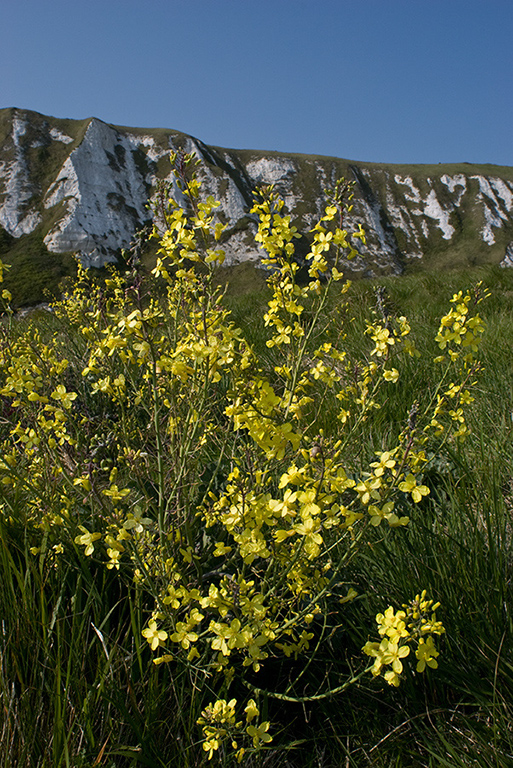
216	494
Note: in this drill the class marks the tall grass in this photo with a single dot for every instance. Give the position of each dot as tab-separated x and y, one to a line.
77	687
459	544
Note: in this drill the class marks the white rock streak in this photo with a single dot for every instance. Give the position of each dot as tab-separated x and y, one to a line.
492	192
431	208
153	151
415	196
278	171
508	257
452	182
15	216
372	217
222	188
59	136
434	210
504	191
268	170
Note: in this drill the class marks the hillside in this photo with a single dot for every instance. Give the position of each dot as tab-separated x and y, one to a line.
82	186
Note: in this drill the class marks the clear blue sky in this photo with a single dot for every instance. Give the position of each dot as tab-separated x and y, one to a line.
413	81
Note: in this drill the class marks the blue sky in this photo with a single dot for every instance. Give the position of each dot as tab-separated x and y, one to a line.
412	81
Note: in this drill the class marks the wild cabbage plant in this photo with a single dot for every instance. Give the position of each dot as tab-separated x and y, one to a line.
147	435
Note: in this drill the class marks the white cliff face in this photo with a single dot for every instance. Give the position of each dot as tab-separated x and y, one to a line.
97	198
496	198
104	194
152	150
504	192
428	207
413	195
508	257
238	246
369	212
434	210
16	216
373	215
279	172
269	170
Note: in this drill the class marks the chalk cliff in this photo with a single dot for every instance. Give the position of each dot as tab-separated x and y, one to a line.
83	186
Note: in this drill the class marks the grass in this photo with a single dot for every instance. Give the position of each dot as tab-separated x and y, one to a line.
460	546
77	687
30	286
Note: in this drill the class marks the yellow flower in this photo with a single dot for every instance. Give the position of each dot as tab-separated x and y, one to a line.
229	636
84	481
367	490
426	653
154	636
392	624
409	485
377	514
135	521
115	493
392	678
87	540
259	733
352	593
66	398
114	555
221	549
391	375
251	710
393	655
183	635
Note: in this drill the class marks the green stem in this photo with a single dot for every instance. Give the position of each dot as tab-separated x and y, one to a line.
305	699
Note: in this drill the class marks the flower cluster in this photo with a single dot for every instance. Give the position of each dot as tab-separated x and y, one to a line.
459	330
412	627
220	725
